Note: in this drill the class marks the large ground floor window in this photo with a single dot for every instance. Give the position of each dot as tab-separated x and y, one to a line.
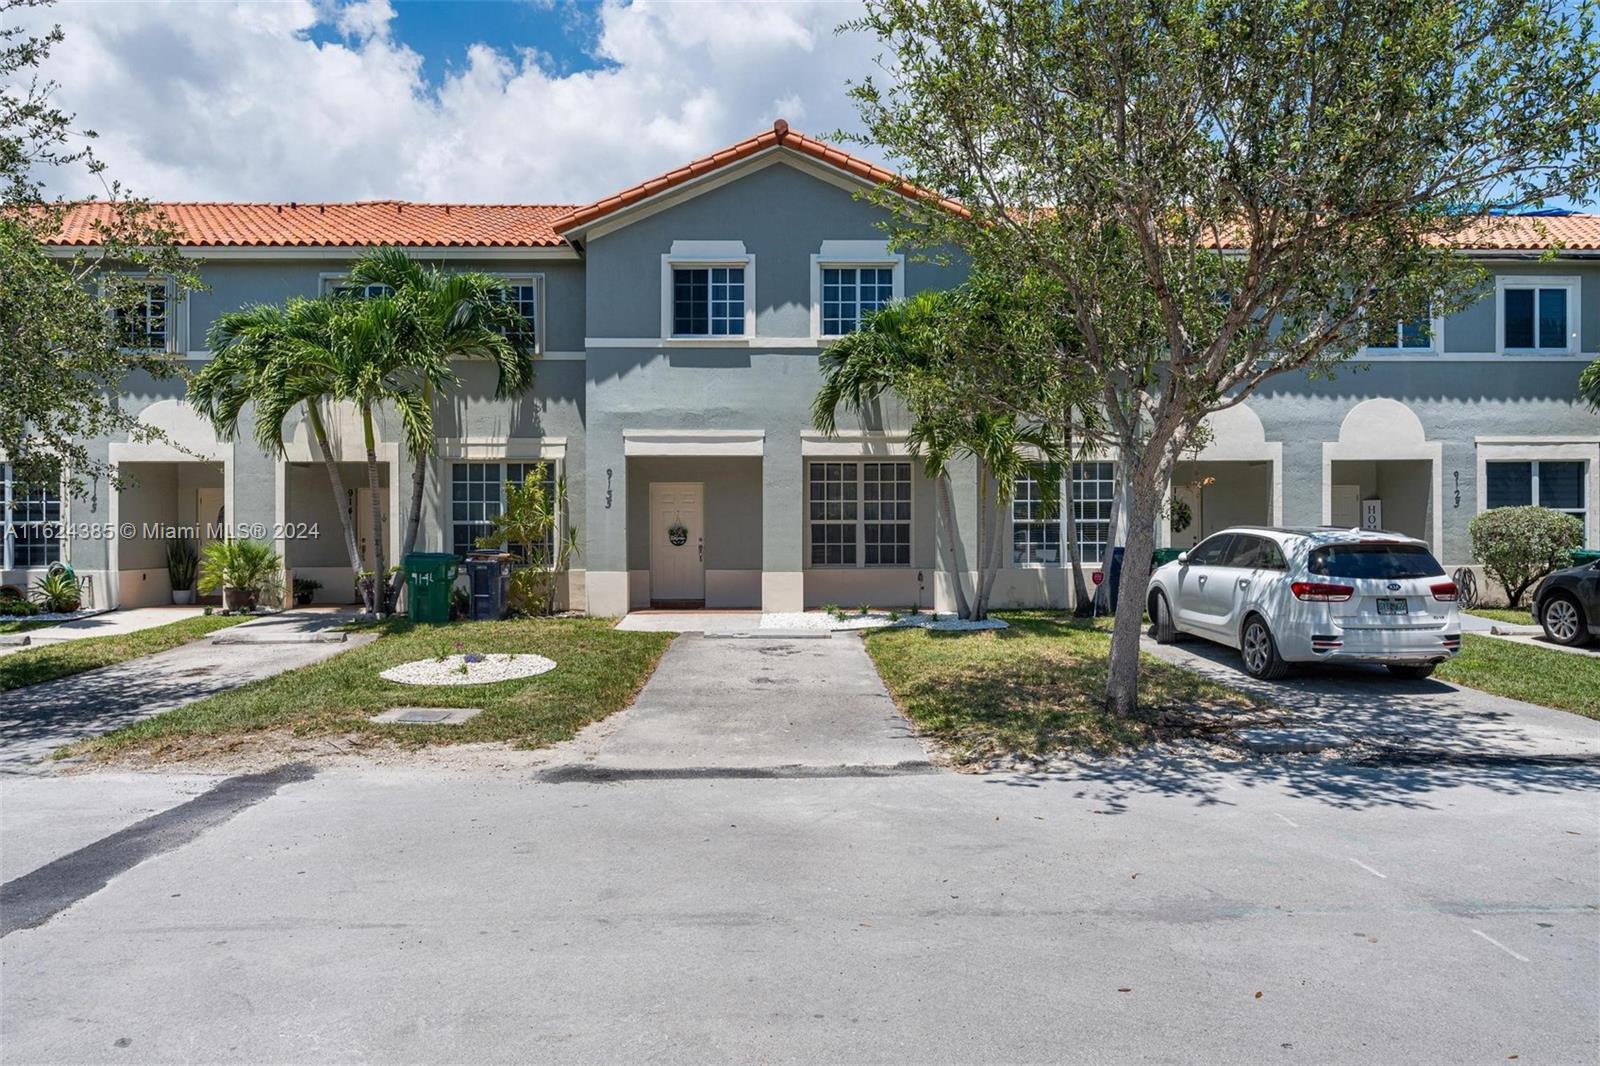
477	496
31	516
1036	519
860	513
1556	484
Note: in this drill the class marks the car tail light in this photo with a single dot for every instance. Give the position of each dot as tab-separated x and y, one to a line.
1445	590
1320	592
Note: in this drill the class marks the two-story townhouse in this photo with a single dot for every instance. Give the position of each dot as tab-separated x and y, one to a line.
679	323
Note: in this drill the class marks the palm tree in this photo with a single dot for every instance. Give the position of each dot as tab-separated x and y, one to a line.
898	350
449	316
277	358
1589	385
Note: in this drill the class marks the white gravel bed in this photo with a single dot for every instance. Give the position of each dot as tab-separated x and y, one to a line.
455	670
822	620
48	616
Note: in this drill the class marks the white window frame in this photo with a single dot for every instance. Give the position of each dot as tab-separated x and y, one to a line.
852	255
1061	521
1547	449
502	462
860	522
1056	522
1573	287
171	342
699	255
1435	340
537	282
7	536
330	282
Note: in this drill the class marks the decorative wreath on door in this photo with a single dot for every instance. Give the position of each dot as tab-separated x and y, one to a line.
677	534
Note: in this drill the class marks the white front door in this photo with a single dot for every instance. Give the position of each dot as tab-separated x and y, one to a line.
677	542
209	517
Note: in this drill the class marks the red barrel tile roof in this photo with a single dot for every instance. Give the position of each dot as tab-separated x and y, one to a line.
370	222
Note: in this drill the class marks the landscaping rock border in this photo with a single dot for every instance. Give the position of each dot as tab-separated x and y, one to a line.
457	670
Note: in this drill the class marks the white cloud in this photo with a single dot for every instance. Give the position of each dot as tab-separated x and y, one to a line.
215	101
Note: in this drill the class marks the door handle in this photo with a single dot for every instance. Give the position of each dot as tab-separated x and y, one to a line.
1244	582
1201	580
700	546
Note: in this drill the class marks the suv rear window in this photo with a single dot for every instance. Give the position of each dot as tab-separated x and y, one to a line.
1374	560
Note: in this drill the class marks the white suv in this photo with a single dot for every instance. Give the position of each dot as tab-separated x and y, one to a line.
1286	596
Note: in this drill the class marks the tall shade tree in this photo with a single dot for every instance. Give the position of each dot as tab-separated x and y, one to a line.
466	315
1226	190
72	327
277	359
916	352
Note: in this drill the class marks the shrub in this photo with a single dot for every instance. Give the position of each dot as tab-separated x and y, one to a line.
58	591
1520	545
182	564
12	607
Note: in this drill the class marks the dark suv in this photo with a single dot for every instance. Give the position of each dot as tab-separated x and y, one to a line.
1567	604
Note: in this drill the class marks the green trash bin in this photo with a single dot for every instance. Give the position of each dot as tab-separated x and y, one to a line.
429	579
1580	556
1162	556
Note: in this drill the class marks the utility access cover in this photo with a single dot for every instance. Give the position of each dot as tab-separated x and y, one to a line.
427	715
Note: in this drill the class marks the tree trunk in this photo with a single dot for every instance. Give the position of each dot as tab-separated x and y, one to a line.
419	481
336	482
988	543
947	514
1122	675
374	484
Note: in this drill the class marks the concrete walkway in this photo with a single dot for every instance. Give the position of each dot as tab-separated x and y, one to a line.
36	720
756	702
107	624
1370	705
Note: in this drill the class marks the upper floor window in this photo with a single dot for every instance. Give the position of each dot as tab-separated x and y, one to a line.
139	316
1536	314
708	301
523	295
1406	335
341	287
30	518
850	293
1556	484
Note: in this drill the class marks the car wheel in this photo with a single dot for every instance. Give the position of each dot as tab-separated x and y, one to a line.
1260	651
1166	632
1562	619
1410	671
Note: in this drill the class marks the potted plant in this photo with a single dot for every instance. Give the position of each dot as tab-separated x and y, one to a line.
58	591
242	569
182	563
304	589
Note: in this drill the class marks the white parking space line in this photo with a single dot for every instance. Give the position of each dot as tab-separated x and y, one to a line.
1295	824
1369	869
1502	947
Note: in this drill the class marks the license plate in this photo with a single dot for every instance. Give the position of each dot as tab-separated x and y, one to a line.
1392	605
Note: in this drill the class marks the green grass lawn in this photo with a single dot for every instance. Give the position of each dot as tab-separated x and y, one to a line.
598	671
1032	689
50	661
1501	614
1521	672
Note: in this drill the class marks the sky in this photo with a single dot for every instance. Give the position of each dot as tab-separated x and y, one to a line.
524	101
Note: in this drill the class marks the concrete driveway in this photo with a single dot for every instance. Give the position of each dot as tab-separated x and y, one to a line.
1430	716
37	719
753	701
